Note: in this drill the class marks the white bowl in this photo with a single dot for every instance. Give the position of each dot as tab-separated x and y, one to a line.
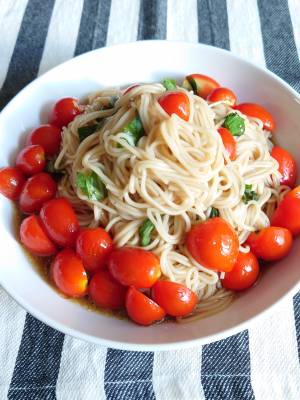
149	61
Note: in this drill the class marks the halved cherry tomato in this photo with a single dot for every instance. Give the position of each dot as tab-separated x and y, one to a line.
256	111
64	111
106	292
11	182
37	190
141	309
222	94
60	221
228	142
175	103
244	273
176	299
48	136
130	88
214	244
270	244
33	237
202	85
68	274
287	166
93	246
287	214
134	266
31	160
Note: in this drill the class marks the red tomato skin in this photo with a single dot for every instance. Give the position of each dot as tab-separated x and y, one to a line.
60	221
48	136
175	103
256	111
228	142
222	94
287	166
141	309
64	111
130	88
11	182
271	244
177	300
134	266
214	244
287	214
244	273
106	292
68	274
37	190
31	160
34	238
205	84
93	246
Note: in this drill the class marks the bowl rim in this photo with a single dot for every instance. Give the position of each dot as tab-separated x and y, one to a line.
181	344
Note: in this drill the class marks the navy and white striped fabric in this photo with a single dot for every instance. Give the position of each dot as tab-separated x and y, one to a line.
37	362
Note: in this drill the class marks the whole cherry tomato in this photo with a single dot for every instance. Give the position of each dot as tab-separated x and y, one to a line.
37	190
106	292
48	136
141	309
175	103
11	182
34	237
68	274
64	111
202	85
214	244
287	166
134	266
244	273
256	111
228	142
176	299
287	214
93	246
222	94
60	221
31	160
270	244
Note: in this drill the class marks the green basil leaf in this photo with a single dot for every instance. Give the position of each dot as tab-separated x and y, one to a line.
235	124
214	213
169	84
249	194
85	131
91	185
145	232
133	131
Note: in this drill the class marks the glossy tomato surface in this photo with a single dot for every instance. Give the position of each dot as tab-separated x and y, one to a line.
287	214
287	166
31	160
228	142
64	111
256	111
11	182
48	136
176	103
222	94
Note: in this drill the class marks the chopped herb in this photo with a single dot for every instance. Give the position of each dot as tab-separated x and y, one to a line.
85	131
249	194
112	101
169	84
91	185
56	173
133	131
145	231
235	124
214	212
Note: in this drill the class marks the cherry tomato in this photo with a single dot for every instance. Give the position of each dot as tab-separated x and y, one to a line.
60	221
244	273
222	94
93	246
257	111
214	244
287	166
175	103
37	190
202	85
48	136
64	111
68	274
34	237
287	214
11	182
228	142
106	292
31	160
130	88
134	266
141	309
270	244
176	299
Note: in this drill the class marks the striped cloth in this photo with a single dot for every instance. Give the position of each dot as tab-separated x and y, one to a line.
37	362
